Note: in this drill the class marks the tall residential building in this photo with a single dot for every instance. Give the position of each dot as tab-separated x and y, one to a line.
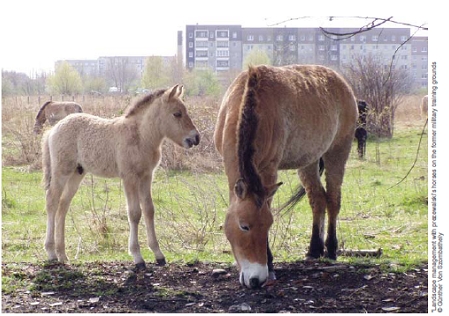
420	60
225	47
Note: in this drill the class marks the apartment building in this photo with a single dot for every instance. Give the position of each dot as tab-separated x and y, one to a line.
225	47
420	60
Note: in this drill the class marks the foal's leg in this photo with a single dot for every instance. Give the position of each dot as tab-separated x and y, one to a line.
70	189
148	215
52	198
310	179
131	185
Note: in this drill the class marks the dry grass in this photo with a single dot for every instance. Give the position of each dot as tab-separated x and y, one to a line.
22	148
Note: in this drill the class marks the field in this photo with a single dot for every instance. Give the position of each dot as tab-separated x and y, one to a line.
384	206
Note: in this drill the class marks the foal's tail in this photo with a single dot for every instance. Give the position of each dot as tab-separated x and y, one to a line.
300	193
40	118
46	162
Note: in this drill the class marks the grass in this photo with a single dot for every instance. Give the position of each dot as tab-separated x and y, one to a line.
190	207
376	212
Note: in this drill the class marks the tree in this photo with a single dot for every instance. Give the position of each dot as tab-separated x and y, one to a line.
382	84
155	75
65	80
256	57
120	72
202	82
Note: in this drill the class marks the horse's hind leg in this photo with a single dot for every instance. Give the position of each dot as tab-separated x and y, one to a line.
69	192
52	198
310	179
148	215
334	163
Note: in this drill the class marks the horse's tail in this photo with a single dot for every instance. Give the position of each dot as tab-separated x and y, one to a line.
46	161
300	193
40	118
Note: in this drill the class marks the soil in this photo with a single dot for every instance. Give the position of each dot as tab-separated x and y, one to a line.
301	287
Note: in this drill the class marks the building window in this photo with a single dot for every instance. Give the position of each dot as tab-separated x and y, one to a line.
222	44
222	34
234	34
190	35
424	50
201	34
201	53
292	38
321	38
222	63
334	47
362	38
403	38
222	53
190	54
250	38
190	44
260	38
375	38
393	38
321	47
279	38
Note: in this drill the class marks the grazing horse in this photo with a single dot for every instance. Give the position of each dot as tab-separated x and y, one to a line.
360	132
54	112
424	106
128	147
274	118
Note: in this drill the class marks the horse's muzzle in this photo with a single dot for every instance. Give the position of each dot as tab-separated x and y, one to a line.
191	141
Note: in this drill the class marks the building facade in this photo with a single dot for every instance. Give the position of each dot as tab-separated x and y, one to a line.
226	47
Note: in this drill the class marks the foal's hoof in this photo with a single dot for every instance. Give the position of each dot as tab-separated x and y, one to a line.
161	262
140	266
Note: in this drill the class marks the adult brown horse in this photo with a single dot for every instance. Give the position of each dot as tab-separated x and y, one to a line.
274	118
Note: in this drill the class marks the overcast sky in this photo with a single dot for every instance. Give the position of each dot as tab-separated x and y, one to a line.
35	34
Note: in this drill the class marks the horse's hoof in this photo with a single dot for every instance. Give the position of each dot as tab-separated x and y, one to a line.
161	262
140	266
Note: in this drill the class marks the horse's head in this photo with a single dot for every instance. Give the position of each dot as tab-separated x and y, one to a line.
176	123
248	221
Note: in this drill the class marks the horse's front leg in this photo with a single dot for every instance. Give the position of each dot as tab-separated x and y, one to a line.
134	214
148	215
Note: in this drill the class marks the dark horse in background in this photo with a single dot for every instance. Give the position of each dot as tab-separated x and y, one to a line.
360	133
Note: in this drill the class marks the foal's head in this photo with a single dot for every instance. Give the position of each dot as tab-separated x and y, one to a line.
175	123
248	221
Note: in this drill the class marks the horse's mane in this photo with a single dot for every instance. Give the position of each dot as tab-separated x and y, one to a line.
246	134
41	110
143	102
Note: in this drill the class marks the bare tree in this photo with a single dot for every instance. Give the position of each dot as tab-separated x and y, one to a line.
121	72
383	86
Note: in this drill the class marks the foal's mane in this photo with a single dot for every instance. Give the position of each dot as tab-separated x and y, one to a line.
246	134
143	103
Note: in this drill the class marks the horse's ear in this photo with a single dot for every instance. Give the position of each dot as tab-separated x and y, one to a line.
240	189
173	92
181	91
271	190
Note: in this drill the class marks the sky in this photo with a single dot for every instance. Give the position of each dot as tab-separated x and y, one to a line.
35	34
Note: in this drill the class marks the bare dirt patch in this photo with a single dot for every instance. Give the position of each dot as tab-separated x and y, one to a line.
302	287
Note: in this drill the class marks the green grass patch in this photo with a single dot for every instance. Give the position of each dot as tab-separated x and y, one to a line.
376	212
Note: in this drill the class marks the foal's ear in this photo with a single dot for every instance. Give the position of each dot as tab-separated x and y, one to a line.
176	91
240	189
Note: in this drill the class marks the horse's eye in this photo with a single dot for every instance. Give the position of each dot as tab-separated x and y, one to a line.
244	227
177	114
